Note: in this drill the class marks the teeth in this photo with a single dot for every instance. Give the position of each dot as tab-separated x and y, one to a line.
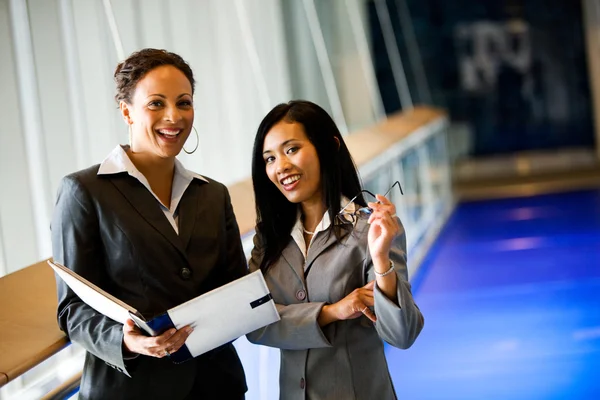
291	179
169	133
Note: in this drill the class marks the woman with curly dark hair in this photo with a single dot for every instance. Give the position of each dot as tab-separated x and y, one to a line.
153	234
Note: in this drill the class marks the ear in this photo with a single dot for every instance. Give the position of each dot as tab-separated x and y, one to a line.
337	140
125	112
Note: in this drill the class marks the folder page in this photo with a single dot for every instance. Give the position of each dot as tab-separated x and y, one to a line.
218	317
93	296
226	313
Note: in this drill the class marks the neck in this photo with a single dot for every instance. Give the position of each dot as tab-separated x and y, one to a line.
155	169
312	212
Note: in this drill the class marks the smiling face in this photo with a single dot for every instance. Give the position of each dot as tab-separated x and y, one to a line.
292	163
161	112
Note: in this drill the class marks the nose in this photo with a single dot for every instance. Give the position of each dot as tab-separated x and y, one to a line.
172	114
283	165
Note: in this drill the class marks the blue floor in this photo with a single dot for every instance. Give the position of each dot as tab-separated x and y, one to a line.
511	298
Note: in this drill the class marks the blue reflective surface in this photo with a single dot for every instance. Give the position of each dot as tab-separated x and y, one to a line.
511	298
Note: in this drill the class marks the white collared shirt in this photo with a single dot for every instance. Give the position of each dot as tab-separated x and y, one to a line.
298	229
118	161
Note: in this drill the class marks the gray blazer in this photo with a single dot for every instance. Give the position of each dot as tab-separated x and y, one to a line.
345	359
111	230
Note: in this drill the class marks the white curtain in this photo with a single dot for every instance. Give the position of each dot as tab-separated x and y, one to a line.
57	59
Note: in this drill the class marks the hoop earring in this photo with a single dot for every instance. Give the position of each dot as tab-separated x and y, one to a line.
197	142
130	136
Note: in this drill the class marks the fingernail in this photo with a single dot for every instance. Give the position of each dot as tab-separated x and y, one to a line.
188	330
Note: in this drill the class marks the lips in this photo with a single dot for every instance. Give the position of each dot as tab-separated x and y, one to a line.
170	133
290	182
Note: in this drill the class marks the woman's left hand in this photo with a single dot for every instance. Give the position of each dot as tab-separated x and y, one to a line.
384	228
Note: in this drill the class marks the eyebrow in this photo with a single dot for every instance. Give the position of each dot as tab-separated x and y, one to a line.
282	145
164	97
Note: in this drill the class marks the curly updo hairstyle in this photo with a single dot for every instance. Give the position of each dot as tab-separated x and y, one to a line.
129	72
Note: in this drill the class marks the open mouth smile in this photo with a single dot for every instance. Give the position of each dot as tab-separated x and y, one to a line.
169	133
290	182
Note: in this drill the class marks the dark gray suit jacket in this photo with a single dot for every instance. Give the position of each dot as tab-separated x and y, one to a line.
111	230
345	359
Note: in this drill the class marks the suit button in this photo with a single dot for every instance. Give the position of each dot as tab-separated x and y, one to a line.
301	294
302	384
185	273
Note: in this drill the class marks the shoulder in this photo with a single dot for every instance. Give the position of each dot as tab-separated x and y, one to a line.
80	179
78	189
209	182
83	177
211	187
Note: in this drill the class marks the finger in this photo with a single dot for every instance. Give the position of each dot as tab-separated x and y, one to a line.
368	300
161	353
369	285
383	207
150	346
179	338
159	350
375	215
388	230
176	346
394	224
382	223
365	291
387	226
130	336
384	213
130	326
162	339
156	345
369	314
389	212
383	199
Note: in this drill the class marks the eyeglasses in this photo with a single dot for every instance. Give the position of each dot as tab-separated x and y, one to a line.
346	217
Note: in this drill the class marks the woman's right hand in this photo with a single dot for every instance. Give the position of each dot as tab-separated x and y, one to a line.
352	306
134	340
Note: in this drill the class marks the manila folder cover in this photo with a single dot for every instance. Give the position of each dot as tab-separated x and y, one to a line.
218	317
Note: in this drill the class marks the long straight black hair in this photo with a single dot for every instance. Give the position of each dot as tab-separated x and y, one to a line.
276	215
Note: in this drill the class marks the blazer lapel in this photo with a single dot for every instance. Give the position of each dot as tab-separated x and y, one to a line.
293	256
188	212
146	205
323	241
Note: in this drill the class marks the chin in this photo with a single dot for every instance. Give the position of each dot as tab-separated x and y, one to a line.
293	198
168	153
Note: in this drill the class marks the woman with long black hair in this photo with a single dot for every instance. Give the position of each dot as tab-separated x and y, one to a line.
335	265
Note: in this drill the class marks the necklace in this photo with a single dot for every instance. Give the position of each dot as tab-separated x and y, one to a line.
307	232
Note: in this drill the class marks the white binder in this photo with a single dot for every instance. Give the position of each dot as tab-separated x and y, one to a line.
218	317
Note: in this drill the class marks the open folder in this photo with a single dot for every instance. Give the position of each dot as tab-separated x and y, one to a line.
218	317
